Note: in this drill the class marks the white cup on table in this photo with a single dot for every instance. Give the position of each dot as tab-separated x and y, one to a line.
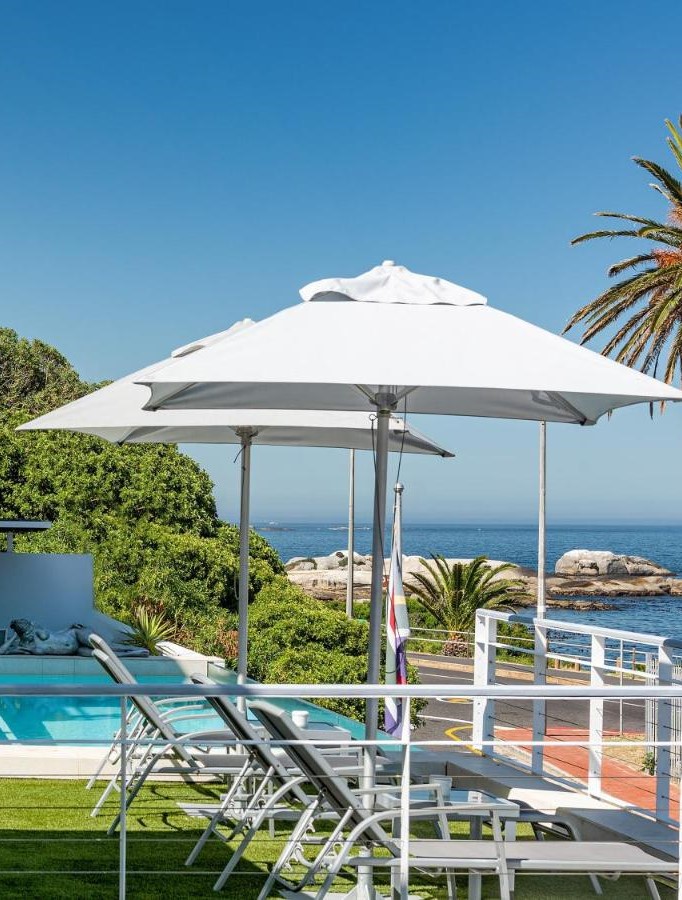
300	718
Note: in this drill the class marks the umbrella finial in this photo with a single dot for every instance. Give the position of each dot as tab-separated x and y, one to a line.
388	262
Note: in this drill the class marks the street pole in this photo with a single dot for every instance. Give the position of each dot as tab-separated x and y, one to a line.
351	537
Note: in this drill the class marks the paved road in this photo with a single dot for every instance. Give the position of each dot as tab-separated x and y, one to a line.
452	720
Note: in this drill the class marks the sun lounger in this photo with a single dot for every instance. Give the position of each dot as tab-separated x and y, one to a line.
165	750
280	775
138	729
360	829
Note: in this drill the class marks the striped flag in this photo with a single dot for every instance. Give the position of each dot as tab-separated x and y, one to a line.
397	624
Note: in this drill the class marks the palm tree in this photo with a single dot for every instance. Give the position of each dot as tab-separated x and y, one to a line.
645	307
453	592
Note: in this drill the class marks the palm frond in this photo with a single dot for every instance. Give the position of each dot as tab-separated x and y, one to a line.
675	140
630	263
670	186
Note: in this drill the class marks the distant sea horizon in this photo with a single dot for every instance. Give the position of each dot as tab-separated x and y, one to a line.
516	543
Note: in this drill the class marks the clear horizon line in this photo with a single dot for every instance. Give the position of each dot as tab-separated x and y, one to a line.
479	523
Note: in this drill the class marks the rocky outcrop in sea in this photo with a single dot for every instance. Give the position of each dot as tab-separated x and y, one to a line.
579	574
604	562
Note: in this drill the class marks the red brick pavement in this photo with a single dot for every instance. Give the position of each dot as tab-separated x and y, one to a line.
619	779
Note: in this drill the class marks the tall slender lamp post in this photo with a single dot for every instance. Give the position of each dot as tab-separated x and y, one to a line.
540	658
351	537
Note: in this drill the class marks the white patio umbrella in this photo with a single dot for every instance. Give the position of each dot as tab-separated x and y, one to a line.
116	413
392	339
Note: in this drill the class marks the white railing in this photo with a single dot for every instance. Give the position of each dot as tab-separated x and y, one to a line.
607	657
483	695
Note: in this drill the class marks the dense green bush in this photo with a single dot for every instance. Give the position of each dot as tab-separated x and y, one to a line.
145	512
296	639
284	618
315	664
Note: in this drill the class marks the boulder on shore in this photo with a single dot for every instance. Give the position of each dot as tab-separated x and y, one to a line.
604	562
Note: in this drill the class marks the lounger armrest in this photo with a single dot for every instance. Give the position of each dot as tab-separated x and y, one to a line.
396	789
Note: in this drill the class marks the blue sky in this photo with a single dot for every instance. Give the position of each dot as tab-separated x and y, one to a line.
168	168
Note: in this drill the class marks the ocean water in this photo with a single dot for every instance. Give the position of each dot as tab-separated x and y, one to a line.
518	543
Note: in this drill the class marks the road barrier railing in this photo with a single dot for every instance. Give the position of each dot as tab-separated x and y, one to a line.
607	658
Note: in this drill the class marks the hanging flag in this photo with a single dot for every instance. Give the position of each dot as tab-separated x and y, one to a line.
397	623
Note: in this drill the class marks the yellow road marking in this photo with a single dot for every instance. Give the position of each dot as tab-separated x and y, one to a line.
452	734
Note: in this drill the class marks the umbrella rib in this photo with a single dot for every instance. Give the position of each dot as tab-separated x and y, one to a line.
563	402
155	405
371	396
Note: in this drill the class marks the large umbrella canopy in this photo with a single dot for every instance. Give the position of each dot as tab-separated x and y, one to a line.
394	339
115	413
439	346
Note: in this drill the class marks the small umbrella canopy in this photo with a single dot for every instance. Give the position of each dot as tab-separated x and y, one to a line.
115	413
394	339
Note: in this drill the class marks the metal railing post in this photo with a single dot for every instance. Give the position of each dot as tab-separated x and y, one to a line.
122	835
539	706
663	733
621	666
405	802
596	733
679	857
485	651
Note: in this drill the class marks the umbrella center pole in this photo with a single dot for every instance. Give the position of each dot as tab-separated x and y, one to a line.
246	435
385	404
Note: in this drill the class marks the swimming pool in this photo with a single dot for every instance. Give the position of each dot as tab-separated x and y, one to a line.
81	720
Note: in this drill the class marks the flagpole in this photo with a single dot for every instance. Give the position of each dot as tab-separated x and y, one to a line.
397	623
398	520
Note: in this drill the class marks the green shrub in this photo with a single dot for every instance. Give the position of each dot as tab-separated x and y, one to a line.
148	629
295	638
313	664
145	512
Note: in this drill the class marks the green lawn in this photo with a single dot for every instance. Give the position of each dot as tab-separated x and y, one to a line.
51	848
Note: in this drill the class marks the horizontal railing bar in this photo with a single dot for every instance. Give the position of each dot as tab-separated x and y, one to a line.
358	691
634	637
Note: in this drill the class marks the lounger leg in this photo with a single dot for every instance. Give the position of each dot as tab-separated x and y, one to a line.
474	892
135	785
652	889
105	759
208	831
220	816
574	830
113	785
237	855
289	847
505	880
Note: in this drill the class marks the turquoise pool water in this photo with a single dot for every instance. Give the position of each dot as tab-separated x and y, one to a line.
77	720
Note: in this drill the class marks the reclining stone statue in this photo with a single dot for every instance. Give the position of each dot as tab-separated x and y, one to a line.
32	639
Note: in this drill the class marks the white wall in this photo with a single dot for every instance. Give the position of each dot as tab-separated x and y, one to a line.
52	589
